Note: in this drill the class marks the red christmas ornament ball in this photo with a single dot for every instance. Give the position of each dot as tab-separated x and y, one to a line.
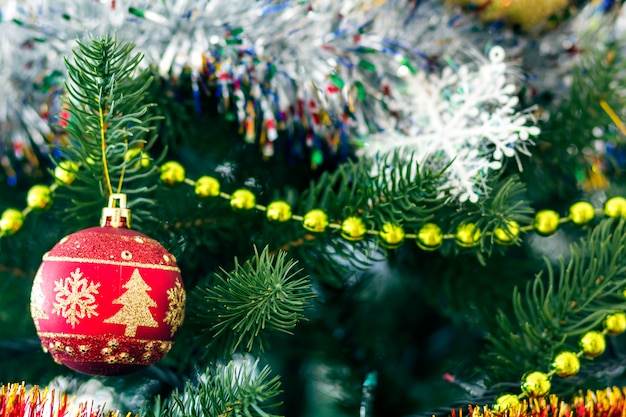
107	301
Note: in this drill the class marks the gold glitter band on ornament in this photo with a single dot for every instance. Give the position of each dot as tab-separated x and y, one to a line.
107	348
108	262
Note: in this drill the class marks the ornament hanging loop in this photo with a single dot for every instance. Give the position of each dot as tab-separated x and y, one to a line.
116	214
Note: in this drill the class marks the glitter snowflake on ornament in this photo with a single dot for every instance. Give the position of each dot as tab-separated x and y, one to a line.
466	117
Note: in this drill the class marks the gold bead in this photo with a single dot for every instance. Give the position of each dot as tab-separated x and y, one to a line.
278	211
242	199
535	384
353	228
615	207
66	171
172	173
39	197
391	235
142	158
546	222
429	237
566	364
505	402
593	344
581	213
11	221
207	187
315	221
507	235
615	323
467	235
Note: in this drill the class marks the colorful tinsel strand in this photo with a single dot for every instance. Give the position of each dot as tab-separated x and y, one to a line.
322	76
18	401
609	402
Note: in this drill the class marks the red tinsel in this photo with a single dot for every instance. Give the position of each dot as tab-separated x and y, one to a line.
609	402
18	401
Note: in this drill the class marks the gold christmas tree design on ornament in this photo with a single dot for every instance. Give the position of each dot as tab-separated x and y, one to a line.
136	306
74	299
176	309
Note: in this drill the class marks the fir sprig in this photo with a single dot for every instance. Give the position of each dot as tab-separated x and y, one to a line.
404	191
395	188
107	118
553	310
506	202
265	294
234	390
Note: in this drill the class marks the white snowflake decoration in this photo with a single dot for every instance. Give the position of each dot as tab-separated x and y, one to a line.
75	298
466	117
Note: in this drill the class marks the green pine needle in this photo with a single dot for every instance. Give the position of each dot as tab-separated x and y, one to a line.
235	389
264	295
554	311
106	94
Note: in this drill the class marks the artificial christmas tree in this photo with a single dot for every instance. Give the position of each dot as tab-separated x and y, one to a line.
376	208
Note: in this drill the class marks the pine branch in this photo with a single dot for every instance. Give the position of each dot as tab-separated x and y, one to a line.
507	202
264	295
235	389
554	310
108	117
393	189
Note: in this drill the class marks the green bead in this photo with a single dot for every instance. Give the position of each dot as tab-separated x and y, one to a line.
546	222
317	158
39	197
391	235
11	221
242	199
536	384
172	173
207	187
278	211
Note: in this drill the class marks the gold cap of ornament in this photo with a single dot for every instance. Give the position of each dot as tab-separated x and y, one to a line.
116	214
